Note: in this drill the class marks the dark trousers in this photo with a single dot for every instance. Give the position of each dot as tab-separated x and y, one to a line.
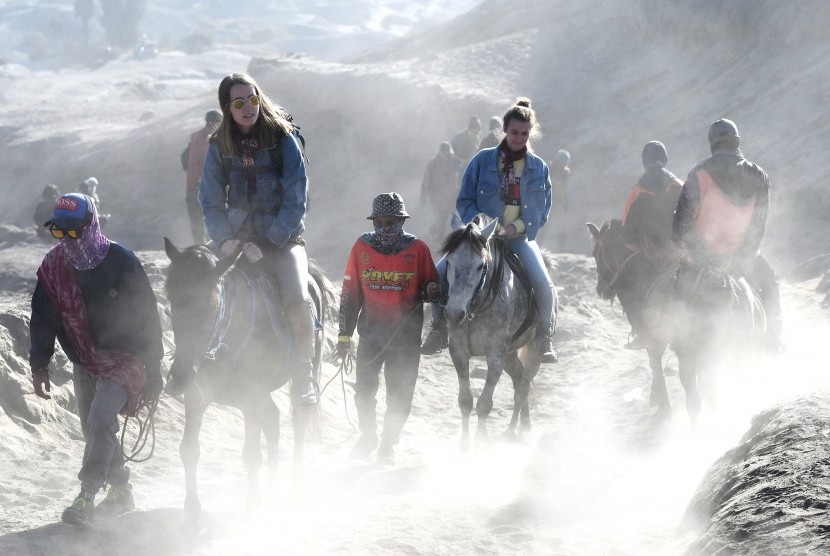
400	372
99	402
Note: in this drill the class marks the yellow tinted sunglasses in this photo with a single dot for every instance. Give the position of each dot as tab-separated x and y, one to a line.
60	233
239	103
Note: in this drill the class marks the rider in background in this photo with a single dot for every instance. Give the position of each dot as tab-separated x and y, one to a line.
388	275
720	219
251	204
93	296
512	184
647	226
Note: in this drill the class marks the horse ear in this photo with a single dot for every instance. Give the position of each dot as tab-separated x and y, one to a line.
172	251
455	222
225	265
489	229
593	229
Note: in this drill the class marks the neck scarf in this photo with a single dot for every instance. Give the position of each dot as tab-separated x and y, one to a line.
388	237
510	191
57	277
89	250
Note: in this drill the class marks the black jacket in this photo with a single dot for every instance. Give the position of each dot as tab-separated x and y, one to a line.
121	311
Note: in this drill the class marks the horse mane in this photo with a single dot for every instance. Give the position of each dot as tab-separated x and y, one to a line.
201	261
470	233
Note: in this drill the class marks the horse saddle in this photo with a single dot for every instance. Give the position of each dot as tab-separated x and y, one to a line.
247	301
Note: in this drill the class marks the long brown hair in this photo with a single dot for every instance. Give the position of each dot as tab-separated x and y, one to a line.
270	125
522	112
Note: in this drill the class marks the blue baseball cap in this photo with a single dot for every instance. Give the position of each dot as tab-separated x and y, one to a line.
72	211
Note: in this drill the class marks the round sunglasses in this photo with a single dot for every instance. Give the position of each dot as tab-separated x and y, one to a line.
239	103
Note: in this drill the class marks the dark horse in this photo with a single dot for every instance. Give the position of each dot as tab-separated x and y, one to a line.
707	315
228	329
627	274
490	313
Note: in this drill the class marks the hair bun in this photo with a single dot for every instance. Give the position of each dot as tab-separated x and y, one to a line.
523	101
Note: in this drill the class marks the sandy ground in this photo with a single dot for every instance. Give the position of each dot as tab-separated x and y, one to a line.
595	476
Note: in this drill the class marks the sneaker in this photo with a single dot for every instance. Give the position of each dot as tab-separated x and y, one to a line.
303	391
547	350
178	382
81	510
436	340
386	454
364	446
119	500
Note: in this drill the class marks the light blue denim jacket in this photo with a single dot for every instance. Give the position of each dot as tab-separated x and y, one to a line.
481	190
279	204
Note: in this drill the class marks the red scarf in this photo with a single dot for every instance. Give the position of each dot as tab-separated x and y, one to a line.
57	276
510	191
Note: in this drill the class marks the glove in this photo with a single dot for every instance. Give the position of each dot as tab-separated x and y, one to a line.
229	247
253	252
153	383
433	292
344	347
41	382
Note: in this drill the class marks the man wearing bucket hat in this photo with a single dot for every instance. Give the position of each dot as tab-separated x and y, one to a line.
93	296
720	219
389	275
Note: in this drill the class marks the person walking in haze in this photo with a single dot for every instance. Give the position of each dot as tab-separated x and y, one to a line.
389	275
254	200
465	142
193	162
720	219
439	188
512	184
89	187
93	296
560	176
647	227
493	137
43	210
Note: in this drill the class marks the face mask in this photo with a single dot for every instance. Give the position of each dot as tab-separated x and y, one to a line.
389	235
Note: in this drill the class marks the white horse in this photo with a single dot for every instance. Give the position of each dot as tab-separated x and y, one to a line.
490	313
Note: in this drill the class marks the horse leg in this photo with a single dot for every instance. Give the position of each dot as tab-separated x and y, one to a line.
689	364
461	361
659	395
270	421
252	453
495	366
513	367
189	453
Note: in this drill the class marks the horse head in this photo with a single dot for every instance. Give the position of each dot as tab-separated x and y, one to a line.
192	287
609	254
467	257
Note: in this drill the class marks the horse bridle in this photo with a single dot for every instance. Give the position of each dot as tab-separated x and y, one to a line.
484	286
608	285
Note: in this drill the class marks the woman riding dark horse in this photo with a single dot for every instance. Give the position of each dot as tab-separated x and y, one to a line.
253	194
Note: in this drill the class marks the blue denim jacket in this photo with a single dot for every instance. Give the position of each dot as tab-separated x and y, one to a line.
278	205
481	190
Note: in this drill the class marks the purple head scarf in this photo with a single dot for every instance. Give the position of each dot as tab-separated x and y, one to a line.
89	250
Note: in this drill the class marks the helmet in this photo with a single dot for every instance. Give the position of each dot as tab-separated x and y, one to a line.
723	128
388	204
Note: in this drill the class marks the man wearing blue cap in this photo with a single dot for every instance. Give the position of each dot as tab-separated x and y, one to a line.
93	296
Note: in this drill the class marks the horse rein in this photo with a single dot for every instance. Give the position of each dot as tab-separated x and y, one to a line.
490	287
615	273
